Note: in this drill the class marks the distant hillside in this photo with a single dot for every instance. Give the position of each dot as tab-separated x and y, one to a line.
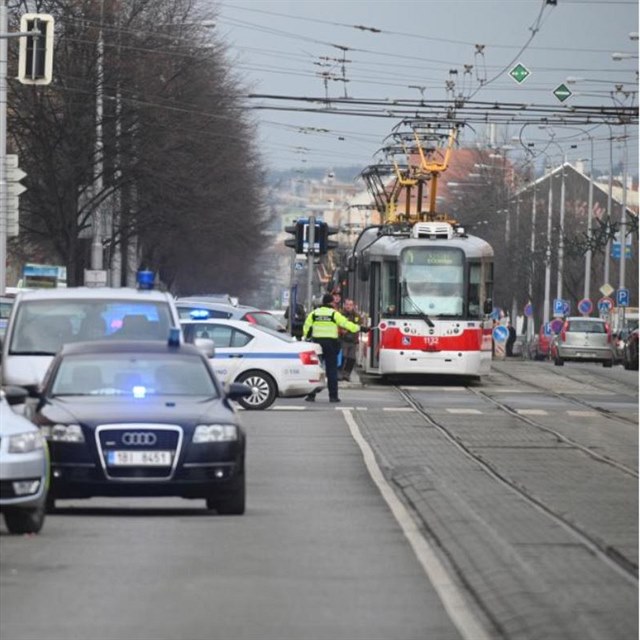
341	174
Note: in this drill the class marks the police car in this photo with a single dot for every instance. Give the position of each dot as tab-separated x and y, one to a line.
273	364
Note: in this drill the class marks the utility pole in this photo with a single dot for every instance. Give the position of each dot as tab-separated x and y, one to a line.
310	261
97	250
4	25
546	311
561	235
587	258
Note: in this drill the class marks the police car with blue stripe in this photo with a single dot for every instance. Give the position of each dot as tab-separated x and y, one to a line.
273	364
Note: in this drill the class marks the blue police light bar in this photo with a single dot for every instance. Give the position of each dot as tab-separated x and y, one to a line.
199	314
145	279
174	337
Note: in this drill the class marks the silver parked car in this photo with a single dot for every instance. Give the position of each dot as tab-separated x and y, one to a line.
24	467
583	340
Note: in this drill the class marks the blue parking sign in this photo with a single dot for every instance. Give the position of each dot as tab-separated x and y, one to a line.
558	307
622	297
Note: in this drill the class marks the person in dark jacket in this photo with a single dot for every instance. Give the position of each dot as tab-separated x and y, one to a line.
510	340
348	340
297	322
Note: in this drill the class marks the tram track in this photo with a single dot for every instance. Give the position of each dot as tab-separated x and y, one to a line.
564	396
599	547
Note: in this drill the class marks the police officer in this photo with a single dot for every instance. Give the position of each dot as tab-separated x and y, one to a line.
322	326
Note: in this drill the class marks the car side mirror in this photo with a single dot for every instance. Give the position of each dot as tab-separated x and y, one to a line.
238	390
15	395
206	345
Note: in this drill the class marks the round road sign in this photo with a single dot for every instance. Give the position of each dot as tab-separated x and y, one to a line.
605	305
585	306
556	325
528	309
500	333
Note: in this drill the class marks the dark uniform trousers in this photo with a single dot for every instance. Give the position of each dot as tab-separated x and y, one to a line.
330	350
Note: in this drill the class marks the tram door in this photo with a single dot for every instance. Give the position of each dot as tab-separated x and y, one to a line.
374	307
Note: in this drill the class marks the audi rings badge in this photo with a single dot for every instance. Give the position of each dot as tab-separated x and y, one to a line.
139	438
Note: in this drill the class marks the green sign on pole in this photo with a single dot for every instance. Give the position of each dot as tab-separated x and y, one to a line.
562	92
519	73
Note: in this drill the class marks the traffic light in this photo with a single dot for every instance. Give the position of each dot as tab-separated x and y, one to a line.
35	61
325	243
297	230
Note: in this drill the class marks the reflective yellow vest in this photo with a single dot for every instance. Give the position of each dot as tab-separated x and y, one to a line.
323	322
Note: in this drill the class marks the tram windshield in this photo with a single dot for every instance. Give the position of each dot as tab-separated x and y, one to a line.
432	281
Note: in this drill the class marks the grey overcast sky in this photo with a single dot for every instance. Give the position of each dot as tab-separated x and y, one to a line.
280	47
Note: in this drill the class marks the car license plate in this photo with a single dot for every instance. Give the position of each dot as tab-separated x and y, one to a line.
139	458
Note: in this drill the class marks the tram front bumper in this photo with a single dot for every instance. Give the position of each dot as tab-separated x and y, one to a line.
455	363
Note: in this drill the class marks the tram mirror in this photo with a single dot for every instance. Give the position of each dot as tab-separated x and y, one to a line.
351	263
364	266
488	306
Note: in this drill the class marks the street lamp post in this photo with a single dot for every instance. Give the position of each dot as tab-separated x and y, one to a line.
547	259
561	236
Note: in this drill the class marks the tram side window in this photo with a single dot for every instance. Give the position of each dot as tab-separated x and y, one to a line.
488	281
474	290
388	299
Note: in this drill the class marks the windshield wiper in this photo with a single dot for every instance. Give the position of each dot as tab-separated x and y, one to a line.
406	296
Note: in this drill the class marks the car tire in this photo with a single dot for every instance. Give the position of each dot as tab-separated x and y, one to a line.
607	364
24	520
50	504
559	362
232	502
264	390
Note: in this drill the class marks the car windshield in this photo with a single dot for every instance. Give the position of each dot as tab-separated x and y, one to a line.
43	326
584	326
265	319
132	374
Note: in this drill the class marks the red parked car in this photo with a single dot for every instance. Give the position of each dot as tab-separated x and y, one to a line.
543	343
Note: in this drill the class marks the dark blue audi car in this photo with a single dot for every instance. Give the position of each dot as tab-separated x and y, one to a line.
142	419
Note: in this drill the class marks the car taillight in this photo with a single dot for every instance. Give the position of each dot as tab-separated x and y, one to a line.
309	357
607	328
563	332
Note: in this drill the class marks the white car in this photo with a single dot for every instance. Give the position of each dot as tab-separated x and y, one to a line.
24	467
273	364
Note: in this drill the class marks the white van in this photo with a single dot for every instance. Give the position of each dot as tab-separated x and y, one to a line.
43	320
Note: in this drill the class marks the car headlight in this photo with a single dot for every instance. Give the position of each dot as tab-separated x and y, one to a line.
63	432
25	442
215	433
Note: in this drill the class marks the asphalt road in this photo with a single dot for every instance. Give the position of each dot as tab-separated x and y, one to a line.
317	555
505	510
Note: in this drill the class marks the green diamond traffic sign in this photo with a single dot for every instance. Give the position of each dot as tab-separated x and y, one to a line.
519	73
562	92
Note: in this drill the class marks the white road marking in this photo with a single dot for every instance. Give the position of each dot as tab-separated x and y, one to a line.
435	389
398	409
532	412
502	390
583	414
451	596
465	411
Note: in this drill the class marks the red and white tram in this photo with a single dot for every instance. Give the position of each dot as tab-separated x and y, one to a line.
426	289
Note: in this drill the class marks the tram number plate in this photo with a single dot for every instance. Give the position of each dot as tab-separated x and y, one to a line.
139	458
